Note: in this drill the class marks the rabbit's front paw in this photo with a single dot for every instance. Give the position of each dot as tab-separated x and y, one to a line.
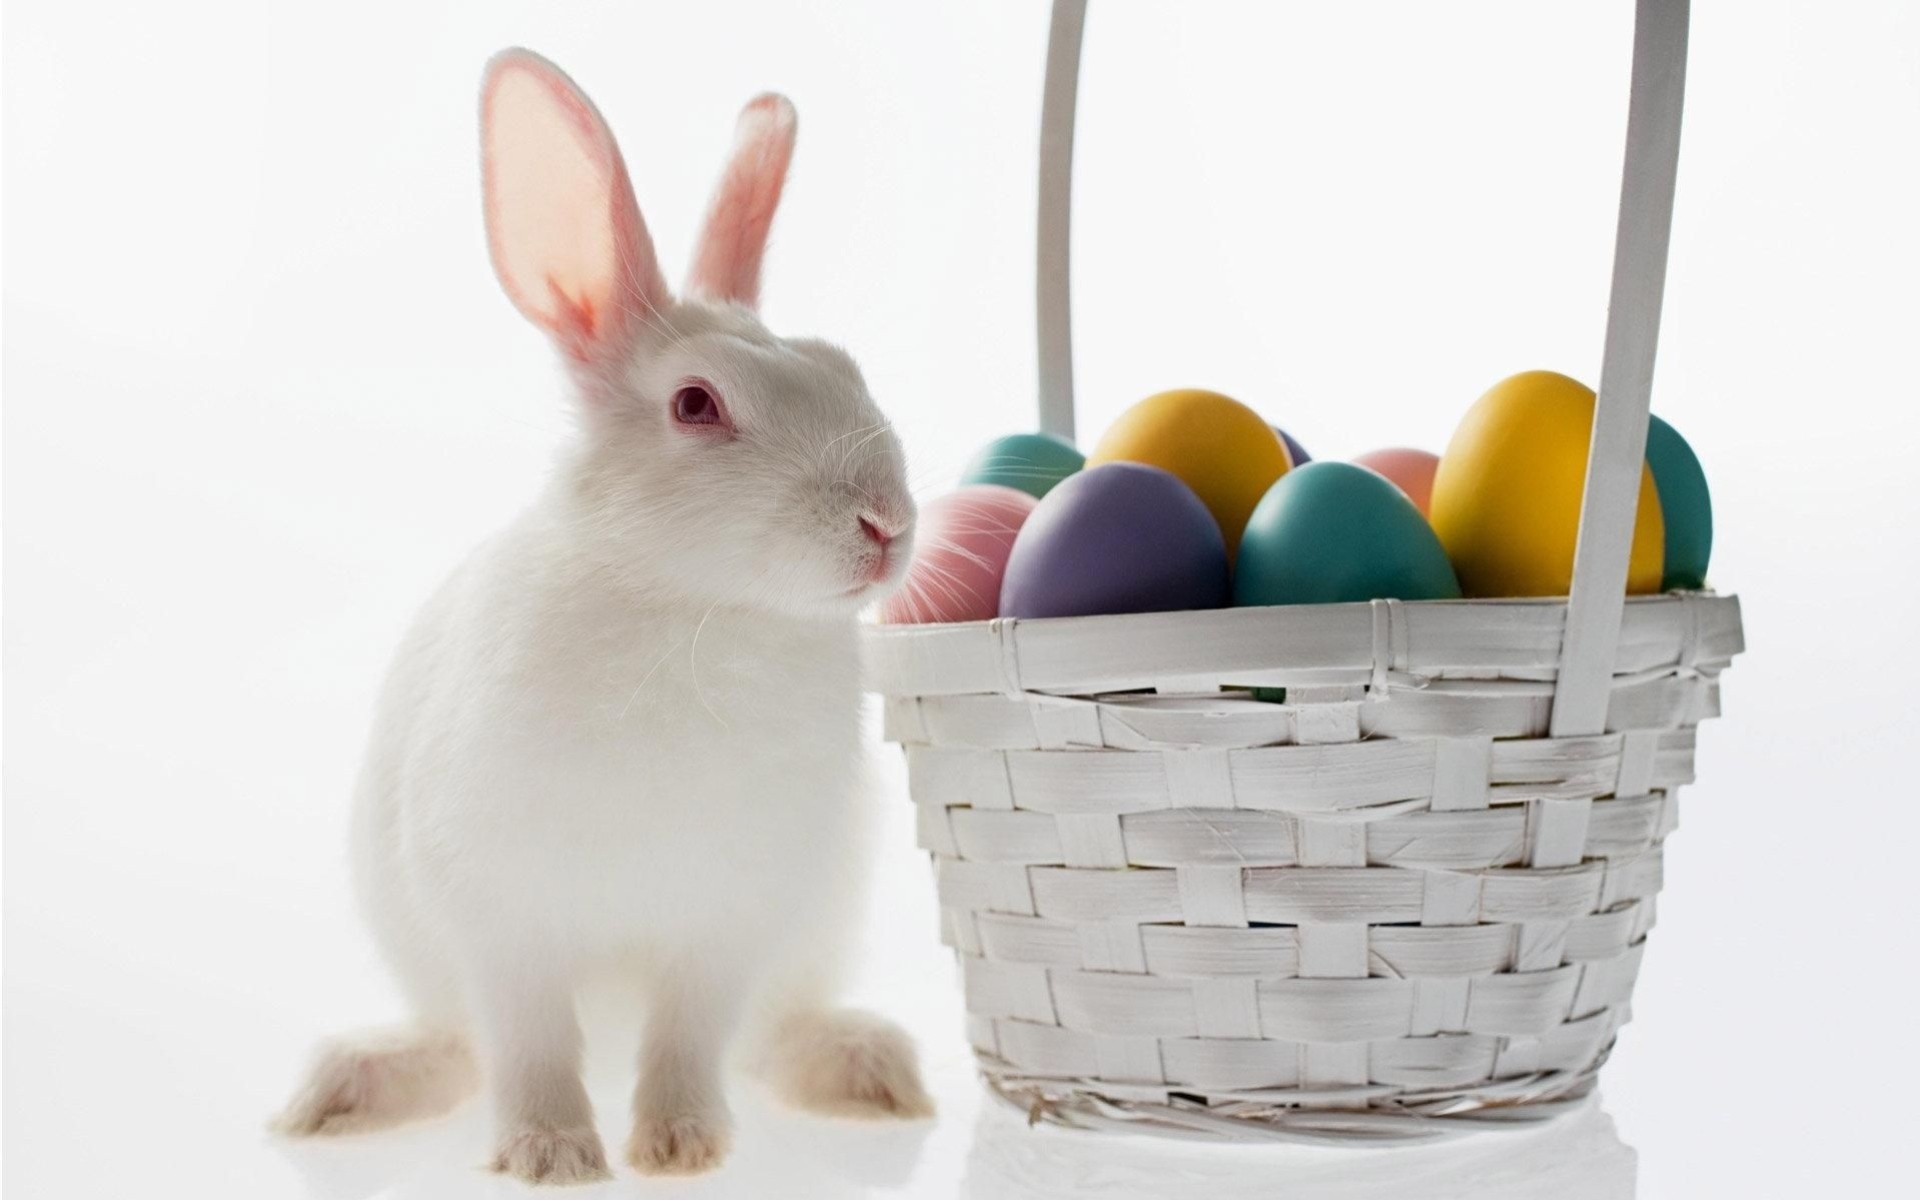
679	1144
552	1156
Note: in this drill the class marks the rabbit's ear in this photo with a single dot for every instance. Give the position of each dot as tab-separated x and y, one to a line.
564	231
726	265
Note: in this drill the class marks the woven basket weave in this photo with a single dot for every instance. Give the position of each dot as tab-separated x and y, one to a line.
1409	900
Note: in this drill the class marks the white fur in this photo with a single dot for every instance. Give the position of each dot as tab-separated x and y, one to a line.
625	733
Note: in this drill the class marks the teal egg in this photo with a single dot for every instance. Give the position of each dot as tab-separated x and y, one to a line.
1684	504
1032	462
1332	532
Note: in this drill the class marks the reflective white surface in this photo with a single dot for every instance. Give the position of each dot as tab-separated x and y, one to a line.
994	1155
260	393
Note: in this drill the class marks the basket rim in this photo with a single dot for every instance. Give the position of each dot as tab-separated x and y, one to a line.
1287	645
877	627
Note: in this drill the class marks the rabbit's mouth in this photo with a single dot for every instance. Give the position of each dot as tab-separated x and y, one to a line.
876	586
879	571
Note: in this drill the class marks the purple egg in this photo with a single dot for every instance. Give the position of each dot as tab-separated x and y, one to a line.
1295	450
1121	537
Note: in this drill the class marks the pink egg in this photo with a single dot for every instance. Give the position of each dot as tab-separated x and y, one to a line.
1410	470
960	553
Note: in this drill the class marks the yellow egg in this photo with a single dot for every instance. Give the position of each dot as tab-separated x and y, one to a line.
1214	444
1506	497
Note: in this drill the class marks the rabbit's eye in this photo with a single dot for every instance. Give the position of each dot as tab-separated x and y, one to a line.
695	404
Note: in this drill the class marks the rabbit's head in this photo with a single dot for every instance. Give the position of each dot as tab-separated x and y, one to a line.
717	462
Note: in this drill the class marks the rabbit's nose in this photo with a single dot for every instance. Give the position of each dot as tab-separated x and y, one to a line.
876	533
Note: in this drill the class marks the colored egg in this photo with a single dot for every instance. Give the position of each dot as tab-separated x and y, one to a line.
1409	470
1685	507
1296	453
960	554
1333	532
1120	537
1031	462
1506	496
1214	444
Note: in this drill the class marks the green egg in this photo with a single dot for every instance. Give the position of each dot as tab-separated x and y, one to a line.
1031	462
1332	532
1684	505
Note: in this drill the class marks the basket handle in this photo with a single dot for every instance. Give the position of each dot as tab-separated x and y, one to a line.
1619	442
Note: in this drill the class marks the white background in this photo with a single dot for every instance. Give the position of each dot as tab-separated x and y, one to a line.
261	391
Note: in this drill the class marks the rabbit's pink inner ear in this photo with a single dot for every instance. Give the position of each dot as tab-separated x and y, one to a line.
727	264
565	234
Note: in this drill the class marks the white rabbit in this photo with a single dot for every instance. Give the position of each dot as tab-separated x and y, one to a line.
625	733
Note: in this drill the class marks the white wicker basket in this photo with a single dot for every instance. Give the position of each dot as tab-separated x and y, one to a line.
1409	900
